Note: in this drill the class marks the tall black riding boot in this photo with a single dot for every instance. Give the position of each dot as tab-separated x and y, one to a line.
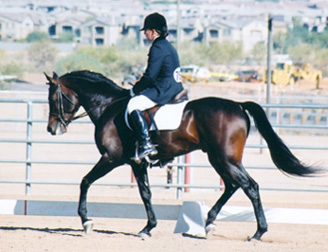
139	125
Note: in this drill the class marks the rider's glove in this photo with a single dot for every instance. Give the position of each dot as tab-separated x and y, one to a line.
131	92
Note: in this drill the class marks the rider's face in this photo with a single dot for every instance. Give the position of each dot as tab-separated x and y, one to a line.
150	34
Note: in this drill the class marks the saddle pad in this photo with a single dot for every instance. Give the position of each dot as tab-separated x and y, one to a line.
168	117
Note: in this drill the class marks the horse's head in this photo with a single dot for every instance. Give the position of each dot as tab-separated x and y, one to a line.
63	104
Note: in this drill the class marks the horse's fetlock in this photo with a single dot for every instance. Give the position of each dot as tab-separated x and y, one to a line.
211	216
154	223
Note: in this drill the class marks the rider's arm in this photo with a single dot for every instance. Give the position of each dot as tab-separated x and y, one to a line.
155	59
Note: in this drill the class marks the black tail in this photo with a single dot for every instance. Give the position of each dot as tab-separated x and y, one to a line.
280	154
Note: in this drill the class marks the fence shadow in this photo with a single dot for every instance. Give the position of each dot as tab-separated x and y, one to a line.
65	231
95	209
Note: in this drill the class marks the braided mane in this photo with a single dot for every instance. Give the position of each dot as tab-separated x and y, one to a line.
93	77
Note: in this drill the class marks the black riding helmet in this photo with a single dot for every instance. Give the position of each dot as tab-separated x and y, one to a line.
155	21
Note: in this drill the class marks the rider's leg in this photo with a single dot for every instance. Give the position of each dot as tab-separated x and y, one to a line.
139	125
140	128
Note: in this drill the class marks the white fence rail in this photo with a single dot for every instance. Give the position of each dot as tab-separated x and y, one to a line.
313	119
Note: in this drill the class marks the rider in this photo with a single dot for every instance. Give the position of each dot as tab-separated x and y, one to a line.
160	83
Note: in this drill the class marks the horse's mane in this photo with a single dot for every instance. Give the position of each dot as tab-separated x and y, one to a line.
93	77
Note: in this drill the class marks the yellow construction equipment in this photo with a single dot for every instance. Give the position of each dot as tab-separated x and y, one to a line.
308	72
286	73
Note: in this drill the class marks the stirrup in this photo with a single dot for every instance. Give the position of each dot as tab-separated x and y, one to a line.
148	150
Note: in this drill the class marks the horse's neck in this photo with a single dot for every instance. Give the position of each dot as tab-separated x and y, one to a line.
96	97
96	105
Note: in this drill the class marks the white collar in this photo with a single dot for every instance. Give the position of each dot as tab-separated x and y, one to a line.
155	38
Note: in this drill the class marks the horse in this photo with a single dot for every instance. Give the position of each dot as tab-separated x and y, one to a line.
218	127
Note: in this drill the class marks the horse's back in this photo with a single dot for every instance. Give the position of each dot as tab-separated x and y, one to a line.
209	105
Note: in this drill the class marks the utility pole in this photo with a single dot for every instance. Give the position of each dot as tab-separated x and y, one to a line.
269	51
268	73
178	25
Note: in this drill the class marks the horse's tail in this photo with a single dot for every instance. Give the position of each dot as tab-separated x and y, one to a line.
280	154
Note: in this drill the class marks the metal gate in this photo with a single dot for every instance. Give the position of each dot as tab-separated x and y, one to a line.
281	116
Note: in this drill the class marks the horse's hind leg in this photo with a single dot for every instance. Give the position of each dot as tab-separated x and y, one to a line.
229	190
251	189
235	176
140	172
212	214
99	170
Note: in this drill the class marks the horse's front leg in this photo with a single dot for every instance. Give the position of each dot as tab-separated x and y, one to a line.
100	169
140	172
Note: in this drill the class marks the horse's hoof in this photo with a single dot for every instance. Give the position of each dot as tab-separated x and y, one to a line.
88	226
209	228
144	235
252	239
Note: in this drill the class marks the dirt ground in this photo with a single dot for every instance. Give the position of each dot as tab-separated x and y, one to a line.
34	233
48	233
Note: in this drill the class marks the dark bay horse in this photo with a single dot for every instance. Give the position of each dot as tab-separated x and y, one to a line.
217	126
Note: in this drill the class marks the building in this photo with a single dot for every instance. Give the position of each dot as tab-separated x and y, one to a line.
106	22
248	32
17	25
99	32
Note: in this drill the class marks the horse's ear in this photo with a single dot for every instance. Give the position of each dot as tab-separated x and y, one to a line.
54	76
52	80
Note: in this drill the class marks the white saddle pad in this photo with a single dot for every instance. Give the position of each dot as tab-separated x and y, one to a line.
168	117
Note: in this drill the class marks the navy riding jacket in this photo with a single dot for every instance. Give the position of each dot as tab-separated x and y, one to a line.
161	81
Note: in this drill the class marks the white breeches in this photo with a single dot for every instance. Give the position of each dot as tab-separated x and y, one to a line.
140	102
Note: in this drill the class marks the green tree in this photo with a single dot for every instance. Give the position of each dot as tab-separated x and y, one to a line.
321	60
206	55
42	56
110	61
303	45
10	66
79	61
65	37
225	52
37	36
303	53
259	53
190	53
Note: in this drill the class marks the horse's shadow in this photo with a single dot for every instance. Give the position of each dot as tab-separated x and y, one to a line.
65	231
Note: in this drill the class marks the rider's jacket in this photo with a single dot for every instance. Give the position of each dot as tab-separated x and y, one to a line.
161	81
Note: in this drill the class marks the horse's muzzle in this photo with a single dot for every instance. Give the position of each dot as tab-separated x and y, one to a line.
56	128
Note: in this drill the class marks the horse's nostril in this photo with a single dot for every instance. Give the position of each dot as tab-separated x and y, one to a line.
49	129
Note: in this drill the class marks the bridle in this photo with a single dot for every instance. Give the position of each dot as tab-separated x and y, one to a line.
60	107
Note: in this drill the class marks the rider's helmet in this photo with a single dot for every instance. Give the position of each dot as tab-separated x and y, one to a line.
155	21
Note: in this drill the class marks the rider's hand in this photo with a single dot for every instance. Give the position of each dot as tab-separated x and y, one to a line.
131	92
